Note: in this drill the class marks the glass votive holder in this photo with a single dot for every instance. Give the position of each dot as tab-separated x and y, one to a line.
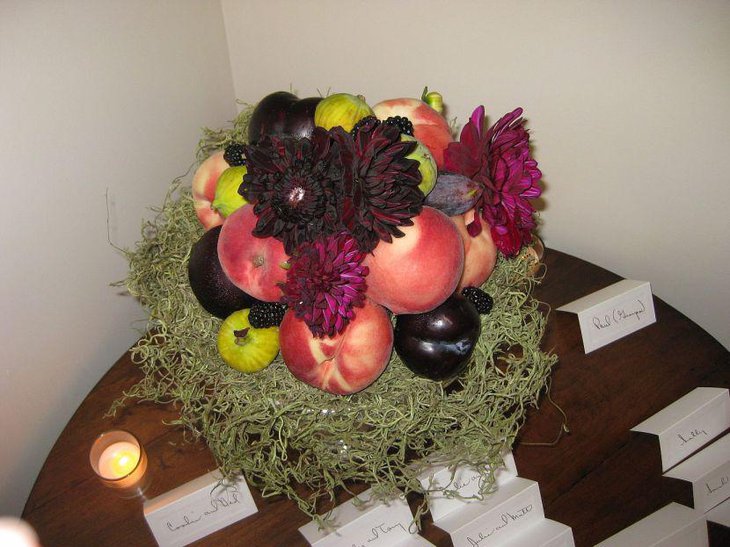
120	461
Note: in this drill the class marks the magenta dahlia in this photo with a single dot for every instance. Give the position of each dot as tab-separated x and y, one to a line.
293	185
499	158
325	282
379	183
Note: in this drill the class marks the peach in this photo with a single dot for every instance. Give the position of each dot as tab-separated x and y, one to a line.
429	127
417	272
346	363
253	264
204	182
480	252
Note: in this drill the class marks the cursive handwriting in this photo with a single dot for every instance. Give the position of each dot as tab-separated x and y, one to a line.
507	518
624	315
691	436
723	481
602	323
459	485
228	497
481	537
376	532
382	529
617	315
219	499
186	521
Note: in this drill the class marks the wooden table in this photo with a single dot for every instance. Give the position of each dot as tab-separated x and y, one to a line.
598	479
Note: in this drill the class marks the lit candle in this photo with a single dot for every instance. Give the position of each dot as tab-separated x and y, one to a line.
120	462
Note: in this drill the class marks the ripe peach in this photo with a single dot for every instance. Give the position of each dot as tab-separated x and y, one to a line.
204	182
417	272
253	264
346	363
480	252
429	127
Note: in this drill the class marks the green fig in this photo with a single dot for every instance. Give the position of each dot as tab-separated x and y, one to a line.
426	164
227	199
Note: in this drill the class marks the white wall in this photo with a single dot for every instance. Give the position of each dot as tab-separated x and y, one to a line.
628	103
96	97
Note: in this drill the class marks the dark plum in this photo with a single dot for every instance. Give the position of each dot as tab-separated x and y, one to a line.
269	116
282	113
209	283
438	344
300	117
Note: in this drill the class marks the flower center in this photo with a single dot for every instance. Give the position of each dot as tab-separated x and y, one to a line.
295	197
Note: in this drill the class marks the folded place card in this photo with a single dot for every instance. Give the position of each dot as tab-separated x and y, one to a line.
674	525
544	533
709	473
612	313
197	509
689	423
449	489
367	522
506	513
720	514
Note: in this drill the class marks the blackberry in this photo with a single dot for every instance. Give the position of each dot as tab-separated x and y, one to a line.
402	123
266	314
481	300
367	119
234	154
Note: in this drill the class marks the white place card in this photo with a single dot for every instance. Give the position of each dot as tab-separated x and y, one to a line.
198	508
720	514
509	511
613	312
689	423
709	473
544	533
370	522
448	489
674	525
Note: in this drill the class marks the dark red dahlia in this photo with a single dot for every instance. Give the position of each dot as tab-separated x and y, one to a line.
500	159
325	282
379	184
292	184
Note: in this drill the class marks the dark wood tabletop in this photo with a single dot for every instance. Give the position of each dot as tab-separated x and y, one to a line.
598	479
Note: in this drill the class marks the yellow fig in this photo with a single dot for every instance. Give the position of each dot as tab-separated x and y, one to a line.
341	109
244	347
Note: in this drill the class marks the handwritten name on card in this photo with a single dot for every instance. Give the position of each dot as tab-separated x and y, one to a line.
613	312
515	506
505	519
709	473
688	423
198	508
370	523
717	484
450	488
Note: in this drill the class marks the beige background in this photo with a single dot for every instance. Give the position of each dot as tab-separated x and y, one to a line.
101	103
97	99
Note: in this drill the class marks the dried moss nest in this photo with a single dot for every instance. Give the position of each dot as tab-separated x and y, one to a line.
290	439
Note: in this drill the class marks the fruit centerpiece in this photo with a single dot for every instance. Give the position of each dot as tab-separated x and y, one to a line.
345	292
